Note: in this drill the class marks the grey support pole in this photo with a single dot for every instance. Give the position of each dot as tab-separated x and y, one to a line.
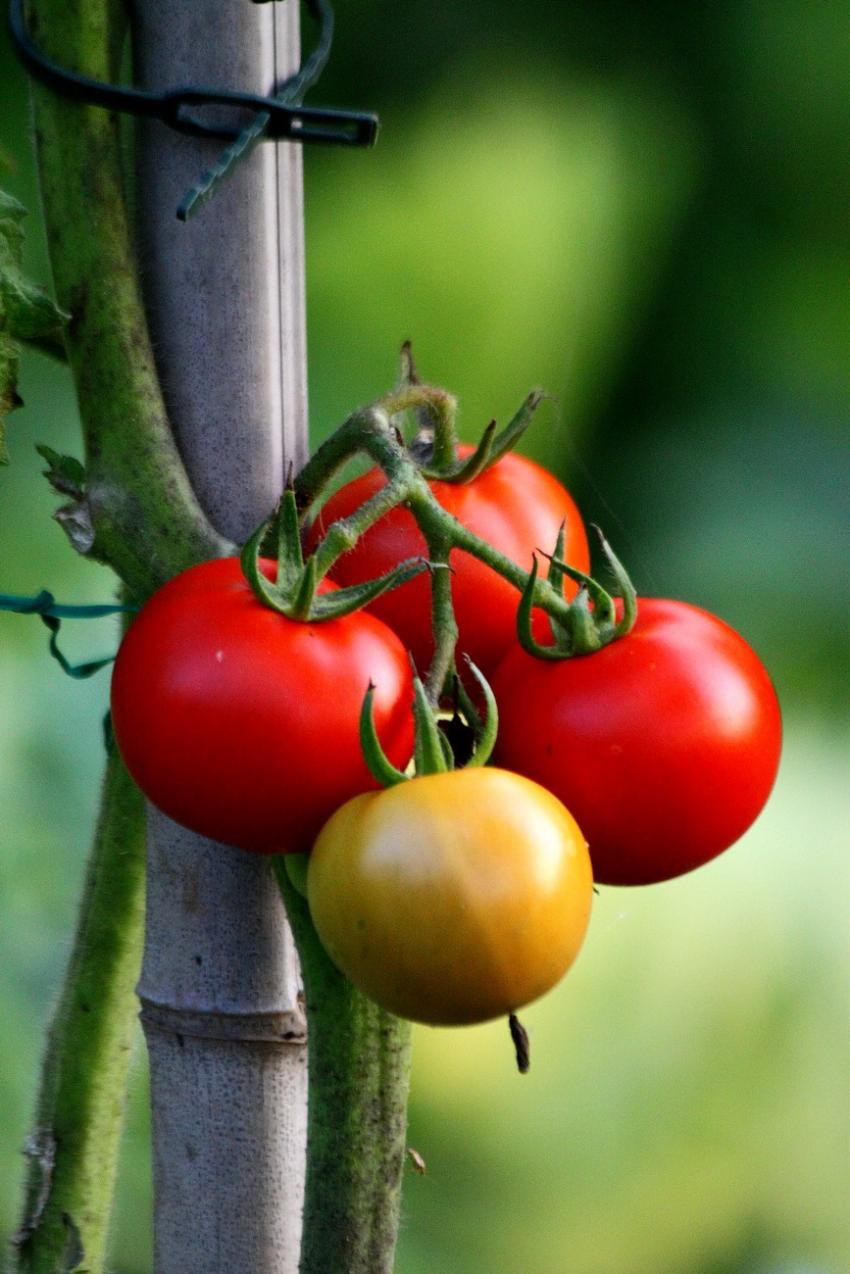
221	1007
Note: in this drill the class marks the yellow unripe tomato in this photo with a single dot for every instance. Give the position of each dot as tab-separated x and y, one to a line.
452	898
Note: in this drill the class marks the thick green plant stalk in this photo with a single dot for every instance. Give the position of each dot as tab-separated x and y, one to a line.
73	1149
139	513
359	1077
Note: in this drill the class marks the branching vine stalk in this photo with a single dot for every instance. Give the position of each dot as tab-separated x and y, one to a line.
145	521
370	432
73	1148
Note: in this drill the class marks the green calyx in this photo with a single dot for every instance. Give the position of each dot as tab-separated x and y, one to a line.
294	590
591	620
434	449
432	749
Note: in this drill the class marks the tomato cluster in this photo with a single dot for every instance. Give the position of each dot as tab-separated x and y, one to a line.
459	895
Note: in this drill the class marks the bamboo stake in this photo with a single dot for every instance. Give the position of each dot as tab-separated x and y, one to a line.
222	1010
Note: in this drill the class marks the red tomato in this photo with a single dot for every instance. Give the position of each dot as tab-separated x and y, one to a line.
243	724
663	745
515	505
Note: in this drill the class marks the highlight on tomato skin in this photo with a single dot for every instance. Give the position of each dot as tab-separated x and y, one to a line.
664	745
452	898
243	725
516	505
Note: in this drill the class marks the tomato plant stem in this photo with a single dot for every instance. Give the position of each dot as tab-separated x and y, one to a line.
443	617
369	431
359	1069
139	513
73	1149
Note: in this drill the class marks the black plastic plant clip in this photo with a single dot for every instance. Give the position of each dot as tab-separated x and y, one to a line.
287	120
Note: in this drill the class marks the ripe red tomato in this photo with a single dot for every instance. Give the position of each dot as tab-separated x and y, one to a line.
243	724
515	505
664	744
452	898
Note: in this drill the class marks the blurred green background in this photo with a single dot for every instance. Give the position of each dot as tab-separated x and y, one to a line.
639	207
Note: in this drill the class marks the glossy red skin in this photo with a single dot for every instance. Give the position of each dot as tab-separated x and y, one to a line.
243	725
515	505
663	746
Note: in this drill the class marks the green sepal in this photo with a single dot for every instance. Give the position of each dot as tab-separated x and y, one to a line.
263	589
296	869
602	601
485	739
591	620
65	474
379	765
292	593
432	752
625	587
476	463
524	633
342	601
516	426
464	702
290	557
585	636
305	605
448	751
559	630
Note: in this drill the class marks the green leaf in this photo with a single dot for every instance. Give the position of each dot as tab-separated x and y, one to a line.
27	314
64	473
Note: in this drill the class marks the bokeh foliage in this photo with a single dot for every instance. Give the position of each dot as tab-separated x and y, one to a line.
637	206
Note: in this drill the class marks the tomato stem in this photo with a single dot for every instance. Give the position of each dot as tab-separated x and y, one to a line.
73	1150
359	1076
443	620
492	446
578	628
146	521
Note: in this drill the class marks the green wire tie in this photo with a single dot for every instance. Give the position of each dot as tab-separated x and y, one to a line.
51	613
